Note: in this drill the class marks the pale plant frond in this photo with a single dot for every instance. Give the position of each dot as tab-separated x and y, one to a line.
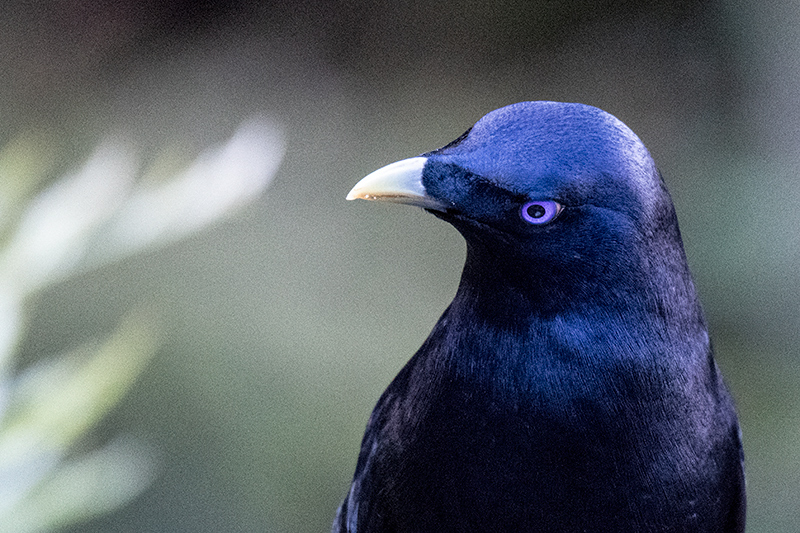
107	209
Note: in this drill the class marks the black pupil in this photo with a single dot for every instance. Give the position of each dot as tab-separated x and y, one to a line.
536	211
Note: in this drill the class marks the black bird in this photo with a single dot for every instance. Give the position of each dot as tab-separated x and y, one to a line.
570	386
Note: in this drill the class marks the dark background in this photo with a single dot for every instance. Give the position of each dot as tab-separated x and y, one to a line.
283	324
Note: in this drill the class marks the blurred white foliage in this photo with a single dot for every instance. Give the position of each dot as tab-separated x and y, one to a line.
53	232
101	213
219	180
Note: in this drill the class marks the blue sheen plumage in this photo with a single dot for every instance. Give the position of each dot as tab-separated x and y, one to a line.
570	386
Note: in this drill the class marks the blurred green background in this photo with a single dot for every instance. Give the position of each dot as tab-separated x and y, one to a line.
281	326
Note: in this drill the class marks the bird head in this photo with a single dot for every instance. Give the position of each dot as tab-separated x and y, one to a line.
556	201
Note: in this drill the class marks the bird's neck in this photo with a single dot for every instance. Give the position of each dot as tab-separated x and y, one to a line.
638	283
510	337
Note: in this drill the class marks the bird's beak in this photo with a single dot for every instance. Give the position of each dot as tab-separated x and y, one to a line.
400	182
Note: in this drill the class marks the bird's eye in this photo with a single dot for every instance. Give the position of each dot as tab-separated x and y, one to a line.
540	211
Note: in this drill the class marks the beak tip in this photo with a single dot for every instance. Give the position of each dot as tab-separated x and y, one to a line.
358	193
399	182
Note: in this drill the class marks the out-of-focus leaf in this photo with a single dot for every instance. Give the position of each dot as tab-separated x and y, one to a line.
99	214
54	403
90	485
52	234
24	163
219	180
10	328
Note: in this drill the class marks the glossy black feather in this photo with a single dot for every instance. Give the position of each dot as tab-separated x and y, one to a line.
570	385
